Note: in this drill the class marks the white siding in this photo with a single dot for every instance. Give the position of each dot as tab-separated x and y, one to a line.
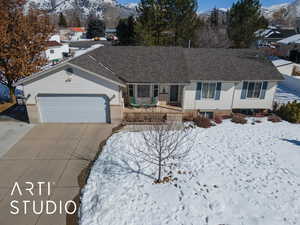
265	103
225	102
80	84
77	36
230	98
58	52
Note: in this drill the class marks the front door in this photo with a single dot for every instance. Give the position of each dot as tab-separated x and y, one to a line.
174	92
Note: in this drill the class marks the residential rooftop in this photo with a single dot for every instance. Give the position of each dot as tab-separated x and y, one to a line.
133	64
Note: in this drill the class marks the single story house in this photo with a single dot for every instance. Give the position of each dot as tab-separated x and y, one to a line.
273	34
97	86
77	33
56	50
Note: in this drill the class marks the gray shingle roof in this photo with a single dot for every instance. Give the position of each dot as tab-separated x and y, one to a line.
177	65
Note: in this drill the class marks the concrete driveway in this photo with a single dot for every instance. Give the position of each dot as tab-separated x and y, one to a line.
55	153
11	133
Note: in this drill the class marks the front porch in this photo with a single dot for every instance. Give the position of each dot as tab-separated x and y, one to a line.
153	103
144	94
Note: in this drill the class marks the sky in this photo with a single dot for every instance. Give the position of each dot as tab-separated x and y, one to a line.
205	5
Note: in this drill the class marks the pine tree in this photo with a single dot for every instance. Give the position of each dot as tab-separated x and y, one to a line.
214	17
152	21
167	22
125	31
244	19
184	20
95	28
62	20
23	38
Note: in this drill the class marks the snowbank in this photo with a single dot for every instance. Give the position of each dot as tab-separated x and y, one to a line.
235	174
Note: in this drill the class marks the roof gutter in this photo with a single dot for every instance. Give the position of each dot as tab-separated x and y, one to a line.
36	75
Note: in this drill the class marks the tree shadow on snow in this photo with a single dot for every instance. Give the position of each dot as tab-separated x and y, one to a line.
123	167
295	142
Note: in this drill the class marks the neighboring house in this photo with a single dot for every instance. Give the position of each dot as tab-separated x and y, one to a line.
294	39
292	44
77	33
110	31
285	66
56	50
96	86
273	34
65	34
290	72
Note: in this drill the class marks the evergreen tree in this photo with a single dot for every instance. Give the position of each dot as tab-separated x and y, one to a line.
95	28
214	17
125	31
62	20
167	22
184	20
151	22
244	19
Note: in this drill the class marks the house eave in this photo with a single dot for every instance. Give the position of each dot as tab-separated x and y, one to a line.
39	74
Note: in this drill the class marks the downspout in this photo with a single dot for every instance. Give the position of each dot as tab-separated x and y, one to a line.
233	95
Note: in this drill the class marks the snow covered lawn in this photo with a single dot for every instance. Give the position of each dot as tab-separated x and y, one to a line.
234	175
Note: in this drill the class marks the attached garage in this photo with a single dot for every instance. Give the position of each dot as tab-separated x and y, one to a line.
73	108
67	93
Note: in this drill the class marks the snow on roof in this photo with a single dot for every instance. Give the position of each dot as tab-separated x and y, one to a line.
292	39
281	62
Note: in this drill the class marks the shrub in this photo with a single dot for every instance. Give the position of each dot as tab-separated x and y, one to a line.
273	118
202	122
218	119
290	112
239	118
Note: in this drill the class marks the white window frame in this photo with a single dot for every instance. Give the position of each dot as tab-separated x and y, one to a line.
255	82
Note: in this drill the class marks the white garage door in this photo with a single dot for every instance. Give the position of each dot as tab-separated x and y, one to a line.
73	108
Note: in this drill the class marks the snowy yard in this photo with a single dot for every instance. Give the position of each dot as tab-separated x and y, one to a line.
234	175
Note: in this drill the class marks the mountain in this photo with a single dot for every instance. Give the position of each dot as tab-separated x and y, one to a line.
87	7
269	11
294	9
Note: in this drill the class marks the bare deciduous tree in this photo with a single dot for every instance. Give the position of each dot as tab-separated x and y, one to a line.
163	145
23	38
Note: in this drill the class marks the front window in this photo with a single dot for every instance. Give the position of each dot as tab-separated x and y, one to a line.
155	90
254	89
143	91
52	51
209	90
131	90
